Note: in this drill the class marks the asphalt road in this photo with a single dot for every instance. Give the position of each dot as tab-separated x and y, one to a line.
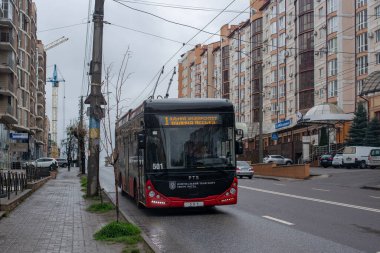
325	214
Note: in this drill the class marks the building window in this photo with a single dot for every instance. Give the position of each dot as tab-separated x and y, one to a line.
273	28
282	90
273	76
273	60
281	40
332	25
362	65
282	107
332	67
359	86
361	18
320	13
306	22
274	44
282	73
332	46
274	92
333	88
331	6
321	93
377	35
281	23
360	3
273	108
362	42
377	11
377	58
281	6
281	57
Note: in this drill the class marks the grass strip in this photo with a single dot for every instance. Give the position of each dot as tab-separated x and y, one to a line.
100	207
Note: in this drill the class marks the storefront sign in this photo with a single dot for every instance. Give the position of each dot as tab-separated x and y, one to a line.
19	136
282	124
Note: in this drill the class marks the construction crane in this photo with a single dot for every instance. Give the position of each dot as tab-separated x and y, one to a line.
56	43
55	82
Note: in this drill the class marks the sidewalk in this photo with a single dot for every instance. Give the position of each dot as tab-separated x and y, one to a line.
54	219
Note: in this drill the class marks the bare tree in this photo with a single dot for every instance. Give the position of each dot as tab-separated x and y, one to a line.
114	110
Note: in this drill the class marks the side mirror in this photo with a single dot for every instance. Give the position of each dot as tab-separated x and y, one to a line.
239	147
141	140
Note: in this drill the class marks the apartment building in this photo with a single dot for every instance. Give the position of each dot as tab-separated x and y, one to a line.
301	54
22	75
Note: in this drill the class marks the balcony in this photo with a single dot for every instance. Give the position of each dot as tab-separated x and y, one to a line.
7	65
7	42
7	86
7	113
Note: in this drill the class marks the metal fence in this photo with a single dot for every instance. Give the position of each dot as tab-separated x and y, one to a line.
12	182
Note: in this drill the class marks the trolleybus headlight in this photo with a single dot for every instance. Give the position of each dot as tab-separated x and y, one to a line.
149	187
227	194
233	191
158	196
234	184
152	194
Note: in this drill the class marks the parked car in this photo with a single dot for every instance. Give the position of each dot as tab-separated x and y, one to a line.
338	160
243	169
326	160
278	159
62	162
356	156
374	158
45	162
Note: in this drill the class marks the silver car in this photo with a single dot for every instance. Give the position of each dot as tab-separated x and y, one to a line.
243	169
337	160
278	159
374	158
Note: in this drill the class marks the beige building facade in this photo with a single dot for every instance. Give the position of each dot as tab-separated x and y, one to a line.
22	82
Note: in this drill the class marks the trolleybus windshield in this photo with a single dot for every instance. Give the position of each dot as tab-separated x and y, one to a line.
190	142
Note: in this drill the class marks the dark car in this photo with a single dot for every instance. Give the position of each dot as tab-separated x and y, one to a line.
243	169
62	162
326	160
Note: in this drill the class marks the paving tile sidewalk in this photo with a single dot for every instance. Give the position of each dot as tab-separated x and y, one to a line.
54	219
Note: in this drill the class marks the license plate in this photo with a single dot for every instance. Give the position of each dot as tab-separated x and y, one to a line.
193	204
348	158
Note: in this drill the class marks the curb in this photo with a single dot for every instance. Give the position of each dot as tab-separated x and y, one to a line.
147	240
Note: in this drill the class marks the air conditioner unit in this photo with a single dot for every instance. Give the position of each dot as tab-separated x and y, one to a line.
290	109
289	22
288	36
268	108
315	33
370	35
290	74
264	49
287	53
316	53
263	65
324	26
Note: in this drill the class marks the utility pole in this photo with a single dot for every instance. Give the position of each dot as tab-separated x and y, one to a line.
81	135
95	100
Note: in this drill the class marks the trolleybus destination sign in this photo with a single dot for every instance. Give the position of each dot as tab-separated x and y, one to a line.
190	120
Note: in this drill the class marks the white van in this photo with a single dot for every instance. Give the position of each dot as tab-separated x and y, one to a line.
356	156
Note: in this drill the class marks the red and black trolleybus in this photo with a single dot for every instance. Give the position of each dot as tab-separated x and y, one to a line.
179	153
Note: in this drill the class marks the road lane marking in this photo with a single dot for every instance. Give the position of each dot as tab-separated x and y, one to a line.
278	220
323	190
280	184
312	199
375	197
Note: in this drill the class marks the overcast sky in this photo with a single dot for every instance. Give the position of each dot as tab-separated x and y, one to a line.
148	53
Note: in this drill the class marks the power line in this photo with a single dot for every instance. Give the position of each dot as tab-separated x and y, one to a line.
86	49
199	31
146	33
62	27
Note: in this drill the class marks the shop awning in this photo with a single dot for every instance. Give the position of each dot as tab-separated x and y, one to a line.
326	114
